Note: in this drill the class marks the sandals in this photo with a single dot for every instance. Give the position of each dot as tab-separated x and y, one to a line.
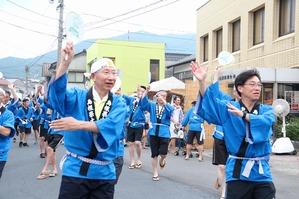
132	166
42	155
53	174
155	178
161	164
42	176
138	166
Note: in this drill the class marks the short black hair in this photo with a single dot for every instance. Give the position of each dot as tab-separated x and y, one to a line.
244	76
8	92
143	87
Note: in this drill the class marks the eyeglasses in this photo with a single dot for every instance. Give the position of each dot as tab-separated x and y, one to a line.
254	84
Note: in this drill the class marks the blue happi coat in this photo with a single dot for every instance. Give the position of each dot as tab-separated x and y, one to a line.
138	117
214	110
7	120
194	120
72	103
164	131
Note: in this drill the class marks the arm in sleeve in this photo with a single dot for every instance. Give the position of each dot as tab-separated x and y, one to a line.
261	125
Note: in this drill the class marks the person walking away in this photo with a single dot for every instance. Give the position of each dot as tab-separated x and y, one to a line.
195	130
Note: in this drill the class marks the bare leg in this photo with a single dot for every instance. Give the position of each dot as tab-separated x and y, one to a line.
49	159
221	177
138	150
42	144
171	146
26	138
200	149
188	149
155	166
53	163
131	151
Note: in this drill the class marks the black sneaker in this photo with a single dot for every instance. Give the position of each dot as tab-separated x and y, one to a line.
20	144
14	140
25	144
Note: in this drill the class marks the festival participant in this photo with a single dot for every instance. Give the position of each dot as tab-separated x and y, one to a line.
160	114
53	139
25	117
7	131
247	125
92	121
195	130
135	127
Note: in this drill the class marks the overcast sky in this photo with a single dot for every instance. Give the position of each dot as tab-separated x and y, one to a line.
30	27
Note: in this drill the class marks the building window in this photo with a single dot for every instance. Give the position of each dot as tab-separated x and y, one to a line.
155	69
236	35
258	26
205	41
183	76
75	77
219	42
286	17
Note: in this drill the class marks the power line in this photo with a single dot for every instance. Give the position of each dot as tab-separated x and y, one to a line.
126	13
30	20
116	21
30	10
27	29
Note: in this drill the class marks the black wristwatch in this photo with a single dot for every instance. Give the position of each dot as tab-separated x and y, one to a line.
244	115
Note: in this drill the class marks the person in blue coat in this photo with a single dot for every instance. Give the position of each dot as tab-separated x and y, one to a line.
194	130
136	122
160	114
7	131
92	121
25	117
248	127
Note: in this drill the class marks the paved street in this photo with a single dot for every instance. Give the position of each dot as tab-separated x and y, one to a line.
191	179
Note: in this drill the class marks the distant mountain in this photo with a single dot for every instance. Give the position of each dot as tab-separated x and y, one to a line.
13	67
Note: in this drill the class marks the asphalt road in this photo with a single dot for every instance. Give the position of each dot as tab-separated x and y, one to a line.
179	179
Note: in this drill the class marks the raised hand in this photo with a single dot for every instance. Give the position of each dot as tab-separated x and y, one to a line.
199	72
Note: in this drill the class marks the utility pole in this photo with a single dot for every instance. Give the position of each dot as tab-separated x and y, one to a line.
27	76
60	29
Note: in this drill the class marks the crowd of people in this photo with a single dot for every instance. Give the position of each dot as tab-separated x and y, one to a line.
96	124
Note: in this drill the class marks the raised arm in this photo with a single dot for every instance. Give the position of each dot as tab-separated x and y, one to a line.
67	54
200	74
13	91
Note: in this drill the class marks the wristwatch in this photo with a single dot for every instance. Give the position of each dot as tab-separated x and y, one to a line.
244	114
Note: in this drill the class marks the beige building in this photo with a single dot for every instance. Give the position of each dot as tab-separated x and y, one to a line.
259	33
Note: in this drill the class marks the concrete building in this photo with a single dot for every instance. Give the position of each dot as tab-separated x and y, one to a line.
259	33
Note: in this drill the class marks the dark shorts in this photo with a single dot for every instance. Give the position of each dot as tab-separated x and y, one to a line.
2	164
54	140
240	189
134	134
146	126
35	125
220	153
192	134
159	145
80	188
42	131
118	163
25	130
